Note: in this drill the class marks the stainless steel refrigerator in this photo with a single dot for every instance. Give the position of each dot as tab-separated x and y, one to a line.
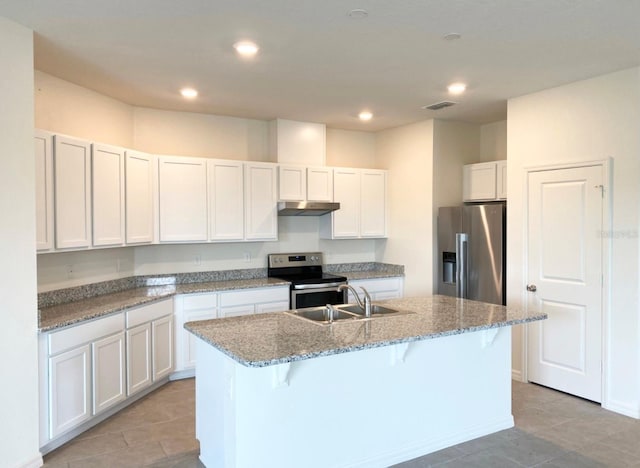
471	252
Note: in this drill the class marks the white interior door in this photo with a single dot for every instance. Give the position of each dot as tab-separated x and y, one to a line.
565	209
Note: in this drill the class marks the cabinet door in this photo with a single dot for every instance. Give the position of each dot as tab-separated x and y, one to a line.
44	190
346	191
479	181
226	200
292	183
107	185
190	341
72	175
108	372
183	199
373	211
162	339
138	358
501	183
139	198
69	390
320	184
263	308
237	311
261	218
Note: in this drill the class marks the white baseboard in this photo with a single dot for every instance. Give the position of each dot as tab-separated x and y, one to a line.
626	409
183	374
35	462
516	375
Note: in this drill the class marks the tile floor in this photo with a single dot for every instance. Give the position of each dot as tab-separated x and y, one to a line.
552	430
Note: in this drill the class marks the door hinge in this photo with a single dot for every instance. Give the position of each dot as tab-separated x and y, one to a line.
601	187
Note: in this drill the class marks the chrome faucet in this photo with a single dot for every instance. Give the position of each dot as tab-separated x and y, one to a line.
367	298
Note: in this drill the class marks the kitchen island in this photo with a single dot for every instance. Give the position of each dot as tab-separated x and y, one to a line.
278	390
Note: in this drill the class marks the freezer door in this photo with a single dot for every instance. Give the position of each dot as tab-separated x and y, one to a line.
449	224
485	226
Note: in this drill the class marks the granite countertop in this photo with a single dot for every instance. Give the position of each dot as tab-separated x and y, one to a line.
276	338
72	313
72	306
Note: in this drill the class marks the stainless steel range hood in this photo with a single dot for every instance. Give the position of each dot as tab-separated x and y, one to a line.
306	208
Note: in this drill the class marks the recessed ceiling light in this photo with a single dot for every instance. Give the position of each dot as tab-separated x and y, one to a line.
246	48
457	88
451	36
365	115
358	13
189	93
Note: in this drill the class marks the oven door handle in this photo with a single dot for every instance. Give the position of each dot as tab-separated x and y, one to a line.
318	286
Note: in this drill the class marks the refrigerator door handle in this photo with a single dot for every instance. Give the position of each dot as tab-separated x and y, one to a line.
461	264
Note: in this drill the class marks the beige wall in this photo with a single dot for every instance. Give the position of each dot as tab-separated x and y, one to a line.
407	152
349	148
493	141
200	135
18	333
589	120
64	107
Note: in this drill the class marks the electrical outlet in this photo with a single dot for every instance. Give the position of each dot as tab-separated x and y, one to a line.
69	269
247	256
197	260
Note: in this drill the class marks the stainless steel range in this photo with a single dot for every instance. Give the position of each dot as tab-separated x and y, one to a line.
310	286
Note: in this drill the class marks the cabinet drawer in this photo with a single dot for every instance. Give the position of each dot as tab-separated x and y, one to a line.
199	301
84	333
253	296
149	312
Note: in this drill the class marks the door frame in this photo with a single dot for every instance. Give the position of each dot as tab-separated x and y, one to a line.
606	240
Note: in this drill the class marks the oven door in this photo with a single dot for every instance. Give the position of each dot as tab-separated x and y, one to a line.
316	295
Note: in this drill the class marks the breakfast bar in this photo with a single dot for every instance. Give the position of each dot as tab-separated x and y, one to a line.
280	390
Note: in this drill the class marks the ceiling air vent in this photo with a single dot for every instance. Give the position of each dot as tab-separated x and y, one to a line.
439	105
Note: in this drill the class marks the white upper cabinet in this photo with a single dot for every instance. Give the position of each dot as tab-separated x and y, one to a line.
362	194
139	197
373	206
320	184
44	190
501	182
300	183
482	181
346	191
226	200
261	218
108	189
292	183
183	199
72	173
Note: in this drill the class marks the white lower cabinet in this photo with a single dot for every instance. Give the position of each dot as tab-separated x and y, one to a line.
84	373
191	307
149	344
95	366
162	344
207	306
69	389
138	358
379	288
108	363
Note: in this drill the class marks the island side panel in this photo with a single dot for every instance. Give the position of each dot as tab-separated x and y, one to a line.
368	408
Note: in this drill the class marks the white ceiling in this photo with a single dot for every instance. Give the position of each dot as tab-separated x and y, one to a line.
317	64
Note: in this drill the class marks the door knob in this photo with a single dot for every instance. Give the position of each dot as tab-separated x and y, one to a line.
532	288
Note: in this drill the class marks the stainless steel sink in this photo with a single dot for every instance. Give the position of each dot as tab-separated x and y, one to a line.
376	310
343	313
321	314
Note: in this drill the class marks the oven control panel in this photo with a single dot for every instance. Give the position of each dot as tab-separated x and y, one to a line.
295	259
